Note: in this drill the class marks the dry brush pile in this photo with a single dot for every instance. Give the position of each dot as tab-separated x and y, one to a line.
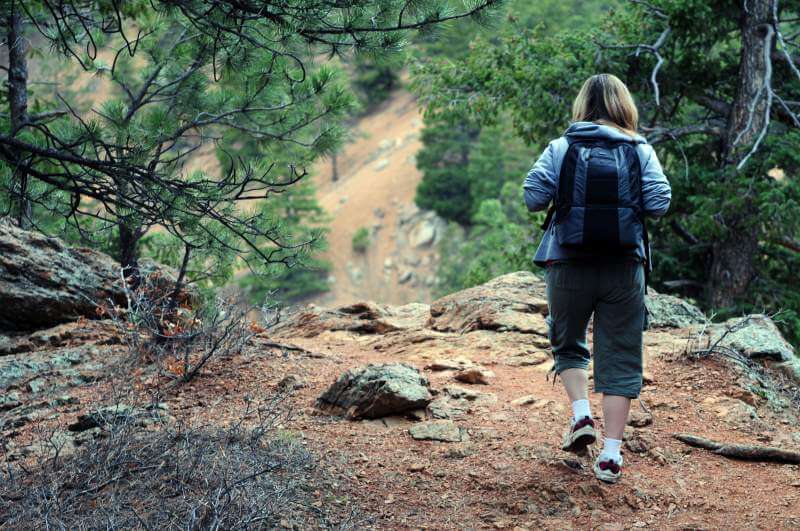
127	463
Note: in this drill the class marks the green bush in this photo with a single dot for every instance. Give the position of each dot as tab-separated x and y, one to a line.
500	241
361	240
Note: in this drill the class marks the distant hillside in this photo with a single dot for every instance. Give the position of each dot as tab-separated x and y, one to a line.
375	189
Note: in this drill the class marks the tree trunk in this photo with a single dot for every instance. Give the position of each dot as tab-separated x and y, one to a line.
734	257
18	106
129	251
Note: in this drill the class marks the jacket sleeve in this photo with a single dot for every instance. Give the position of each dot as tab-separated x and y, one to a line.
656	190
540	184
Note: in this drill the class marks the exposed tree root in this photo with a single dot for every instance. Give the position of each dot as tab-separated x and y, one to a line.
741	451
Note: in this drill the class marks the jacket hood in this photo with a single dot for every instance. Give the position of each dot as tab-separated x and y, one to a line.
593	130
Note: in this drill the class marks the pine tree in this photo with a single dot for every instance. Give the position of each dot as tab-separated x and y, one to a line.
180	74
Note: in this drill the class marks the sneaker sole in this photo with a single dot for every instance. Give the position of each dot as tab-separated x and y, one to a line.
580	440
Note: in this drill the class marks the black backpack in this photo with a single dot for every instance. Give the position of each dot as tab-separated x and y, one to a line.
599	205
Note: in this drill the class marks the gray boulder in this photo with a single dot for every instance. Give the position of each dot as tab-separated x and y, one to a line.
755	336
376	391
43	282
668	311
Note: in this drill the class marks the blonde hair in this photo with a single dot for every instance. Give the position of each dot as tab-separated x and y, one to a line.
605	99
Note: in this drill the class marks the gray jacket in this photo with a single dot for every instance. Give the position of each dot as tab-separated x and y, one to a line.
542	182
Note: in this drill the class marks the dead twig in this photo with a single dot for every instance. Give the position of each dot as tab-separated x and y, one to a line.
745	452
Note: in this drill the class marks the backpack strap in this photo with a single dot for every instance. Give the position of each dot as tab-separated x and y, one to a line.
549	217
559	165
645	236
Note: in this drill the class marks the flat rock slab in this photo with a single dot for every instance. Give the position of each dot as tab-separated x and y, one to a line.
361	317
376	391
527	360
524	400
449	365
455	402
512	302
437	430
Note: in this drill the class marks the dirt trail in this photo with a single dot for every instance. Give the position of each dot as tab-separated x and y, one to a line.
376	186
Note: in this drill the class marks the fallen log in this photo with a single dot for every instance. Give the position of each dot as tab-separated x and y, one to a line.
745	452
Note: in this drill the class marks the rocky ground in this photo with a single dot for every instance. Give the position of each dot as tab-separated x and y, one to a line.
456	424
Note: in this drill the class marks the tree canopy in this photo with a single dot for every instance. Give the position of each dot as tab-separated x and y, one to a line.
719	101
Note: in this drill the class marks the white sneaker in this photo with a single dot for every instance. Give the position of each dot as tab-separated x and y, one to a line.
607	469
580	435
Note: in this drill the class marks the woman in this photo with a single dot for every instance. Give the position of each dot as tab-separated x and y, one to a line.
603	178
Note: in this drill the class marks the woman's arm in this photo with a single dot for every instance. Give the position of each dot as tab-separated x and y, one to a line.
656	190
540	184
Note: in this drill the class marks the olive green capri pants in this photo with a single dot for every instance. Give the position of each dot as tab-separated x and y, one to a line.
614	293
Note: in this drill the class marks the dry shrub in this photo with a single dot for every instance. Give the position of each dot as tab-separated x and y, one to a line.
127	463
178	333
248	475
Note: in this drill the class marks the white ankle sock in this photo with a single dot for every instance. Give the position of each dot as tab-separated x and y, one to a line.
611	449
580	409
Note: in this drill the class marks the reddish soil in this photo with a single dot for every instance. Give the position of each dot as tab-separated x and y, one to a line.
510	473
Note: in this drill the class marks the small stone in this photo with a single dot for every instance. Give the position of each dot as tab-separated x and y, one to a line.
417	467
454	391
436	430
460	452
475	375
291	382
36	385
637	445
524	400
658	456
405	277
423	234
639	419
449	365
